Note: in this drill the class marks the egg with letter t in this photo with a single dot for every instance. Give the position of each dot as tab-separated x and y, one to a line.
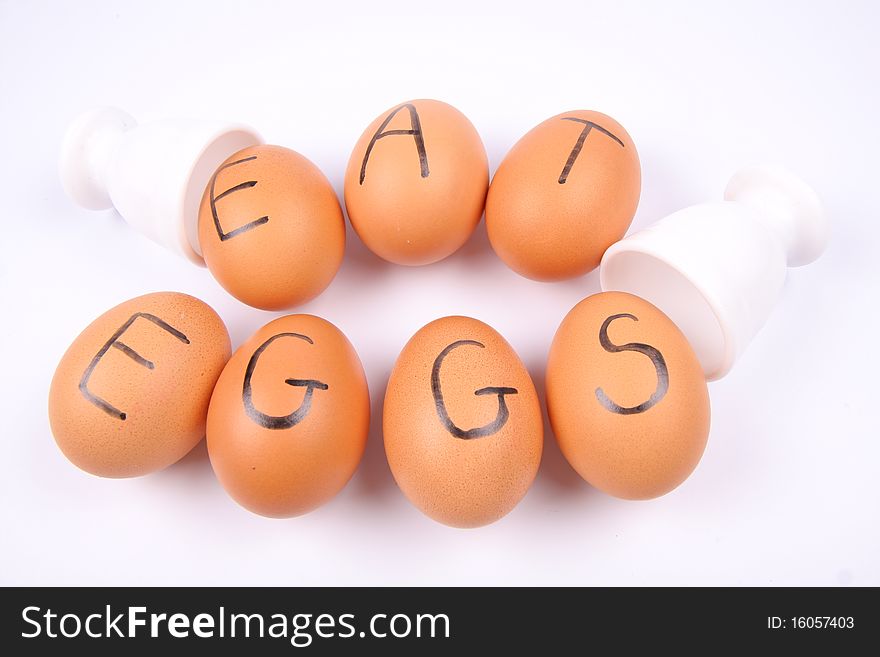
626	396
563	194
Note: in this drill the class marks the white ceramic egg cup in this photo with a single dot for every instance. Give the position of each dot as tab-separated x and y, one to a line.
717	269
153	174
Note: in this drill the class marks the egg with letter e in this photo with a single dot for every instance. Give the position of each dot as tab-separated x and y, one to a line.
130	396
289	417
626	396
563	194
416	182
271	228
462	423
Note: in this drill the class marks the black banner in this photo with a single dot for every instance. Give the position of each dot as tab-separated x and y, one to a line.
105	621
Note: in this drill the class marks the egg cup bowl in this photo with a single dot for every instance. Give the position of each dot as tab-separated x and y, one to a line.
153	174
717	269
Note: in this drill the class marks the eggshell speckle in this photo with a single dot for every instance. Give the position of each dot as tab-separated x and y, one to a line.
271	228
416	182
462	423
626	396
289	417
130	396
563	194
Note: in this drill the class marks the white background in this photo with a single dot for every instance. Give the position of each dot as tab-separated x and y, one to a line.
787	492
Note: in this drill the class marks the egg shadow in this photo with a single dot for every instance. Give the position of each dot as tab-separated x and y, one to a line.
477	252
663	194
556	478
373	478
359	263
192	472
582	287
242	320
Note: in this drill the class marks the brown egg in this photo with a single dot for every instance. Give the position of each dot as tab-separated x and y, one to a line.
270	228
289	418
626	396
462	423
564	193
130	396
416	182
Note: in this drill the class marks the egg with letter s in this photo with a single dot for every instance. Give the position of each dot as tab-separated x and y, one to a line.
289	417
416	182
563	194
271	228
462	423
626	396
130	396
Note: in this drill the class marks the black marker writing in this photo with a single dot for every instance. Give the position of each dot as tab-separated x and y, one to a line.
487	430
579	144
646	349
416	133
278	421
213	200
115	343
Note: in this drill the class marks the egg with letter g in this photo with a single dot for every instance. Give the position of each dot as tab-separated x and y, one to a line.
563	194
130	396
462	423
289	417
271	228
626	396
416	182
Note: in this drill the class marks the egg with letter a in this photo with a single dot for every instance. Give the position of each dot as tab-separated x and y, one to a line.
462	423
130	396
289	417
271	228
563	194
416	182
626	396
